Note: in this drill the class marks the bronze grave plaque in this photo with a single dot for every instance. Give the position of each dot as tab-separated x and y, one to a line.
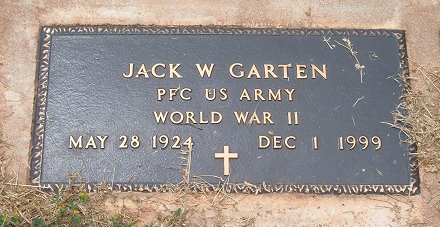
248	110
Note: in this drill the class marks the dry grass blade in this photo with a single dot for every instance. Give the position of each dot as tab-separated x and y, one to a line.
419	117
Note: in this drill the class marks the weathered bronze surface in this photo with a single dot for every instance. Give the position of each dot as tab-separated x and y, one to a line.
282	110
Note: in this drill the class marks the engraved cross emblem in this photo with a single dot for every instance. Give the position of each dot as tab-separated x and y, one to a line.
226	156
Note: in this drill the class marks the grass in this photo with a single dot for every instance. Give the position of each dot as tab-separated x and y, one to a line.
174	218
418	117
28	206
25	205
